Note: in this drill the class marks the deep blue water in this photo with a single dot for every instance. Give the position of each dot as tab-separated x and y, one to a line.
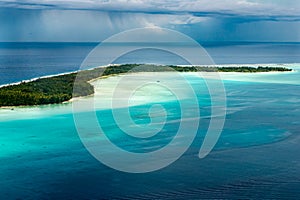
256	156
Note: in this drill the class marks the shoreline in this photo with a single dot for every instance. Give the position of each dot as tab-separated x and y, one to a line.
64	102
216	65
49	76
222	73
135	73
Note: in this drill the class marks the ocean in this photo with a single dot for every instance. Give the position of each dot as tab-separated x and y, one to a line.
256	156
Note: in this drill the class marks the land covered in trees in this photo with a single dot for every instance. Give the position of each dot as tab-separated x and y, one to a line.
61	88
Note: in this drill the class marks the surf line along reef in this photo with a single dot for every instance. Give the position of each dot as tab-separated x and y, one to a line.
59	88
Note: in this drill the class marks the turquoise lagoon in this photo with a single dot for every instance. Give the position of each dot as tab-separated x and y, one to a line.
257	154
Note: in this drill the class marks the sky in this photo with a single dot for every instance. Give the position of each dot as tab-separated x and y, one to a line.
96	20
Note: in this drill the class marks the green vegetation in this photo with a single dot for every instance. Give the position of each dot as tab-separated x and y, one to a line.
42	91
58	89
252	69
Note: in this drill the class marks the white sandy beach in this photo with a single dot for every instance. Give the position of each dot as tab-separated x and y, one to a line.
142	88
137	89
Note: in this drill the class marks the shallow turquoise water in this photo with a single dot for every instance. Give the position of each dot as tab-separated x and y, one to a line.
256	156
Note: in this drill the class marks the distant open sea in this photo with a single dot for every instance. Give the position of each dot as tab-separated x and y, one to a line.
256	157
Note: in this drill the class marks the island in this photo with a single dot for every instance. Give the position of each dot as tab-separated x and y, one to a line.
60	88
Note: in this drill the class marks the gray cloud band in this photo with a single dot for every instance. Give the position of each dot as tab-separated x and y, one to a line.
94	137
256	10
